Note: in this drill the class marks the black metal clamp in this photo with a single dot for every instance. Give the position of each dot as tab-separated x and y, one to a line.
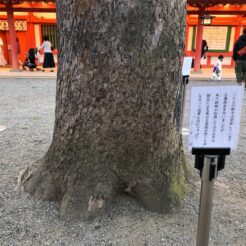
213	154
185	79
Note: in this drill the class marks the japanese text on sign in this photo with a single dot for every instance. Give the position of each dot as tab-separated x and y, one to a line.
215	113
216	37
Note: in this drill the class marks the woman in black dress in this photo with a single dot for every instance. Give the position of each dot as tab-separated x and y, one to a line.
48	55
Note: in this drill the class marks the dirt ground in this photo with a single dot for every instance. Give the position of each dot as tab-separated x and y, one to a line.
27	110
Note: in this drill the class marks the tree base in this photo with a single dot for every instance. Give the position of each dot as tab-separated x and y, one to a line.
85	196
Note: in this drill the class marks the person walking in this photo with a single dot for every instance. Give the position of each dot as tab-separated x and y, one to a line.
204	49
239	56
217	69
48	55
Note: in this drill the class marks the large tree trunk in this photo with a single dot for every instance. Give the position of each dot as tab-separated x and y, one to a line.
119	69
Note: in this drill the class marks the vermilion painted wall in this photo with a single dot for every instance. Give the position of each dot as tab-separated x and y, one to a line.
26	38
23	39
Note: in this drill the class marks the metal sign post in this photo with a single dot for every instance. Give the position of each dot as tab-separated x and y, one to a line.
185	81
215	113
186	68
206	200
208	165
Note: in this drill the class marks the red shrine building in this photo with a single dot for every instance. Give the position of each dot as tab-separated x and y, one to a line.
29	21
220	23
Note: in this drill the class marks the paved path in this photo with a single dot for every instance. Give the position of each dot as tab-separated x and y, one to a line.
204	74
6	73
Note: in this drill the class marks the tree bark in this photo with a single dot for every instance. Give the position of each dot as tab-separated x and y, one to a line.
119	69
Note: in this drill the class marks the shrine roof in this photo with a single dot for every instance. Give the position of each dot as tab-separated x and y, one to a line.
193	3
208	3
21	1
29	6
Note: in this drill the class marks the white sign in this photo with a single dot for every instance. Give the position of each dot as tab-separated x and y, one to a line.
186	66
215	113
215	36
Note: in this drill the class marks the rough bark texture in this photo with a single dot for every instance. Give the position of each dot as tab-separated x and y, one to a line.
119	69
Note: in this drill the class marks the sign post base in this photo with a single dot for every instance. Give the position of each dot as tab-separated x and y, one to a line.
208	161
206	199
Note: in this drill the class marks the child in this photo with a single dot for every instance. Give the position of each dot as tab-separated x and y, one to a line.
217	69
30	60
37	59
37	56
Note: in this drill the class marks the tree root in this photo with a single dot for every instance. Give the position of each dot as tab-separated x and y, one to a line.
86	199
24	175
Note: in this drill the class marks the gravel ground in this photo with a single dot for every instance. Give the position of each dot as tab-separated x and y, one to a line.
27	109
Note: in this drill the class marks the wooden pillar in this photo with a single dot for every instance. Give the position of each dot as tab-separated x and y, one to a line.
186	36
198	51
12	34
237	32
31	32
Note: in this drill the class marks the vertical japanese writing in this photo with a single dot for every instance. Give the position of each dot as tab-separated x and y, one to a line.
216	108
215	116
232	114
208	97
198	118
225	99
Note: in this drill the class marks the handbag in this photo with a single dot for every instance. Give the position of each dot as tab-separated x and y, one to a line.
242	51
216	69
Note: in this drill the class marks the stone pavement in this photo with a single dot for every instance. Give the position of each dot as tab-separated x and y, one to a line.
6	73
228	74
206	73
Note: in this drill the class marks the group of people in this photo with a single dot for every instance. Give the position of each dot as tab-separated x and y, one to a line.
32	59
217	68
239	56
